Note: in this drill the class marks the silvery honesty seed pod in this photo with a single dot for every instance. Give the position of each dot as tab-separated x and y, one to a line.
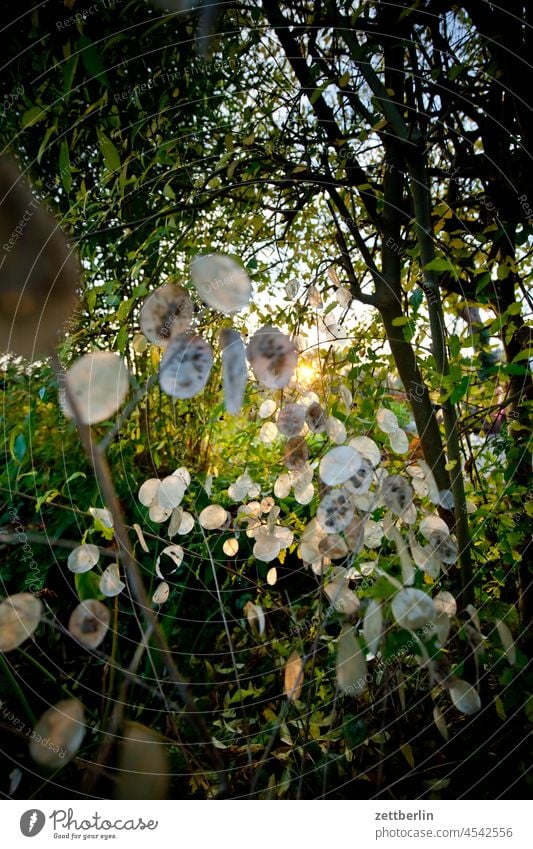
296	453
291	419
316	418
185	366
234	369
89	622
19	616
221	282
397	494
39	273
165	313
273	357
98	384
58	734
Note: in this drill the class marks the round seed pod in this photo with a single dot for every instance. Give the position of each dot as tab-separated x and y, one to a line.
165	313
185	366
273	357
89	622
296	453
221	282
98	383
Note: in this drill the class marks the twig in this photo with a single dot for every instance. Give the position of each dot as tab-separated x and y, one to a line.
103	474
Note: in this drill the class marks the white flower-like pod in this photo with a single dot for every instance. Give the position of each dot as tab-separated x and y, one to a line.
315	418
184	474
58	734
441	626
359	483
291	419
267	548
291	288
185	366
255	616
175	552
336	430
186	524
170	492
230	547
386	420
285	535
343	297
444	546
267	409
304	492
83	558
165	313
110	582
399	441
340	596
335	512
268	433
282	486
507	641
293	676
333	546
161	593
159	514
98	383
392	533
273	357
373	625
433	523
19	617
413	609
234	369
309	541
272	576
373	534
367	448
465	697
296	453
397	494
213	517
89	623
267	504
148	491
221	282
445	603
103	515
315	298
351	669
339	464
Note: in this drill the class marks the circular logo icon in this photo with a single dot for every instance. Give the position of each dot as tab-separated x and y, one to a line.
32	822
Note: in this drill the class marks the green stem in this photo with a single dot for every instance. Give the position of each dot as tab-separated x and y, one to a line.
17	689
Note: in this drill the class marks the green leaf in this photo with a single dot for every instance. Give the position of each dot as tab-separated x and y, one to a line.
64	166
88	585
32	116
441	263
44	143
69	69
48	496
71	478
92	61
17	446
455	345
110	153
123	336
